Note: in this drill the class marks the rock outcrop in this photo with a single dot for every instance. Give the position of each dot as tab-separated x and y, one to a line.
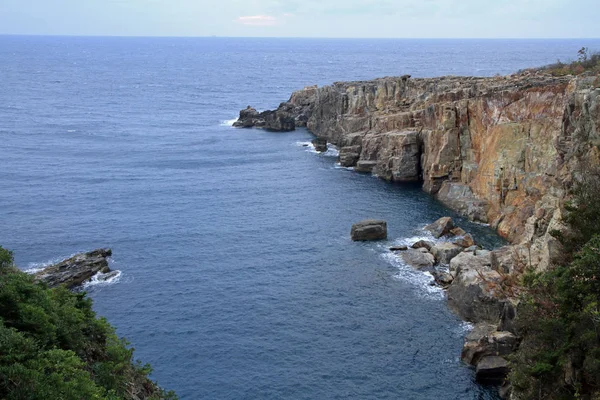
77	270
370	229
500	150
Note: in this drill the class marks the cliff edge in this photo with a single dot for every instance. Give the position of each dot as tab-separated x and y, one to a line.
499	150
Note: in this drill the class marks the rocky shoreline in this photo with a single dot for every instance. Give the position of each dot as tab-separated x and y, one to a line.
77	270
500	150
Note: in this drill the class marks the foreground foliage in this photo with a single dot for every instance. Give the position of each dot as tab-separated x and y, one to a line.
559	318
52	346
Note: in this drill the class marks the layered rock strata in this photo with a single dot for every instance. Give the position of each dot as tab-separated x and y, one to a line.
75	271
500	150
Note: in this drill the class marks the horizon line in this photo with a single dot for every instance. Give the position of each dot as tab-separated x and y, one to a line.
290	37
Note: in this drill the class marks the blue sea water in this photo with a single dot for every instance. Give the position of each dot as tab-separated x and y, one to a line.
239	280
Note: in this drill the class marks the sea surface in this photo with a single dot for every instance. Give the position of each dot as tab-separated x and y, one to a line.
238	277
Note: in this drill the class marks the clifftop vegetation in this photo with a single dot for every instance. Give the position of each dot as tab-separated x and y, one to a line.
52	346
585	62
559	319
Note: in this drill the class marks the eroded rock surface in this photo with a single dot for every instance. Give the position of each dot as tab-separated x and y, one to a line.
75	271
500	150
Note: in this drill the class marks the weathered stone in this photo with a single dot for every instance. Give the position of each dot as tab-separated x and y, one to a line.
483	342
458	231
418	259
441	227
470	260
369	230
76	270
474	294
349	156
444	252
423	244
465	241
443	279
320	144
492	370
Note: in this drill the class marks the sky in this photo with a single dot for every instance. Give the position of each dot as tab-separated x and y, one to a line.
305	18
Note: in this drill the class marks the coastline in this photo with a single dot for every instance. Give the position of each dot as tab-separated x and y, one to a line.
502	151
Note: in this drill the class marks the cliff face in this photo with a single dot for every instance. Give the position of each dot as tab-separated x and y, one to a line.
500	150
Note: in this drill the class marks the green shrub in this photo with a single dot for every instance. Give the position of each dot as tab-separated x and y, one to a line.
52	346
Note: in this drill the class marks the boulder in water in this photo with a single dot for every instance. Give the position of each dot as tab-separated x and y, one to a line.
370	229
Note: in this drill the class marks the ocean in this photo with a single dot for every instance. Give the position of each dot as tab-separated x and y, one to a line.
238	276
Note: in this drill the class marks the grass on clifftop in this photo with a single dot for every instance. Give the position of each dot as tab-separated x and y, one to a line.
52	346
585	62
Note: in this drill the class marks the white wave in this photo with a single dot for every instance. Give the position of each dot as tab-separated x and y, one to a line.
464	329
228	122
35	267
101	279
332	151
420	280
409	241
338	166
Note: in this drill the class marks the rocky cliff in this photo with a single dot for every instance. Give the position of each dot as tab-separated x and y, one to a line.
501	150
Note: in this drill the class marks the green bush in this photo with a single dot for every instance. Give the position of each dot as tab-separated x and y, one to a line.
52	346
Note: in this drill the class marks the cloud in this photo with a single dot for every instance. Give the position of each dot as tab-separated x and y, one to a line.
258	20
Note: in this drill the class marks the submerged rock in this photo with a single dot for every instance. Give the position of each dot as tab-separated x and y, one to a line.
75	271
399	248
369	230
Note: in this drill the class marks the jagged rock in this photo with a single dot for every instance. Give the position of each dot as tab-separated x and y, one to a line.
419	259
458	231
76	270
349	155
399	248
503	259
485	342
474	294
465	241
320	144
492	370
441	227
423	243
369	230
444	252
471	249
443	279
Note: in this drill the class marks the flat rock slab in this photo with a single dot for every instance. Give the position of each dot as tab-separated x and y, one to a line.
76	270
371	229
